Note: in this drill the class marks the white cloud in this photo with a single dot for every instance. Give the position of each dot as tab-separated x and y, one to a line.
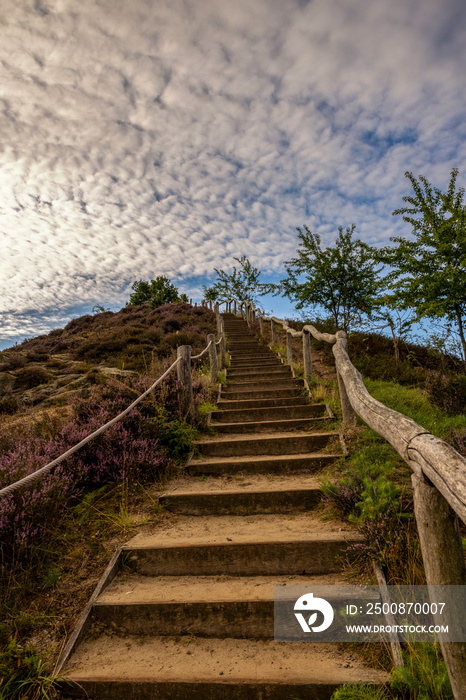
163	138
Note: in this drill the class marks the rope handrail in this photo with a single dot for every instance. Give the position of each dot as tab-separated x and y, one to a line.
196	357
45	469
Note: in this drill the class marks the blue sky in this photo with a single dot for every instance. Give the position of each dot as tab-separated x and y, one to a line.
152	138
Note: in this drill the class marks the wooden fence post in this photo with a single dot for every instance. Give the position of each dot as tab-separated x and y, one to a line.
217	308
183	370
273	329
234	306
307	356
213	358
443	557
261	324
210	304
222	346
289	349
347	411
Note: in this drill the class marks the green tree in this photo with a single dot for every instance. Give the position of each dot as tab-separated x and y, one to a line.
155	293
429	271
342	279
242	283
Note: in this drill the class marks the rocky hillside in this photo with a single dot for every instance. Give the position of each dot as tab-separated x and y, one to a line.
50	369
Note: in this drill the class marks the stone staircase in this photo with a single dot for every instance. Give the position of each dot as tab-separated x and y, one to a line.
190	615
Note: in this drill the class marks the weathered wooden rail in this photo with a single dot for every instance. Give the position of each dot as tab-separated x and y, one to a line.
438	479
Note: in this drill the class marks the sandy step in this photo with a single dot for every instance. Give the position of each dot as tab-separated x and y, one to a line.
242	343
266	444
173	668
259	373
221	607
270	379
229	404
251	353
280	464
243	501
236	386
269	413
255	359
271	393
265	426
311	556
250	545
249	367
134	588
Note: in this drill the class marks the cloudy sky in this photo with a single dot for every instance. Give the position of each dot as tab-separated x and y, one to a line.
164	137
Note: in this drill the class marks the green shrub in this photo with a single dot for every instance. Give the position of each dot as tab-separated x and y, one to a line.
23	674
376	497
176	435
424	675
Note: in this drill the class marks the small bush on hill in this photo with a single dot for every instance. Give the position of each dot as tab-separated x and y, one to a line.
447	391
29	377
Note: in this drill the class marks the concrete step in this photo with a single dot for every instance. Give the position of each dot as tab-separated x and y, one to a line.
278	464
284	443
252	373
242	495
236	385
264	426
205	606
251	364
225	404
259	374
174	668
253	360
288	391
269	413
272	557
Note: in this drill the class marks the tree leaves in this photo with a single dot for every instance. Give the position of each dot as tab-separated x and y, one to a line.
429	271
343	278
241	284
155	293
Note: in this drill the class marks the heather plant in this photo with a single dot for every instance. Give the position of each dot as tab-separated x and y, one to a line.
136	449
387	541
447	391
458	440
343	494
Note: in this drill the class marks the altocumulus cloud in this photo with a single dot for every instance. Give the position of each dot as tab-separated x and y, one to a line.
144	138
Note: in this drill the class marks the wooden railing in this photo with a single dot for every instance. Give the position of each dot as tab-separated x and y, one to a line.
438	479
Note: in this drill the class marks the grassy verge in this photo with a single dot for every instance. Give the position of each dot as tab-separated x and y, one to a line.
372	489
